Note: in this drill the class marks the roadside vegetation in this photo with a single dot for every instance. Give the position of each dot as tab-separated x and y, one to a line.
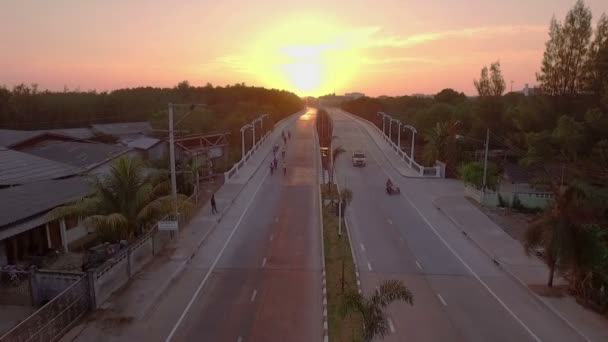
557	131
125	202
339	272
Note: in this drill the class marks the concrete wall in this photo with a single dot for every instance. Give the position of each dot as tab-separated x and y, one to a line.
46	284
141	254
531	200
110	277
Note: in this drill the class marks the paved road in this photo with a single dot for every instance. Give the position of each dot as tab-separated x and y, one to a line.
459	295
266	286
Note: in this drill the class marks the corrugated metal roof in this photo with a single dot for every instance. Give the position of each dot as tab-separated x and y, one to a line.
142	143
123	128
79	154
9	137
21	202
20	168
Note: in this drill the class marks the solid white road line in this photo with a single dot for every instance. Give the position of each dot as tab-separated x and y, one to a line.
369	266
217	259
362	247
255	292
264	262
445	243
418	265
391	326
441	299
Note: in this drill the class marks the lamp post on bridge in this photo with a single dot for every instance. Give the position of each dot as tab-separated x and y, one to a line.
243	129
414	131
384	116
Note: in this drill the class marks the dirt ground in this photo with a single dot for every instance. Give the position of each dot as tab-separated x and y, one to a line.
513	223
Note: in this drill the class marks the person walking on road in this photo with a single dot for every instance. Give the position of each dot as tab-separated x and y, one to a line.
284	168
283	152
213	205
276	163
271	168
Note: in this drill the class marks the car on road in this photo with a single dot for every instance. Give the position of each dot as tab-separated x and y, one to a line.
359	159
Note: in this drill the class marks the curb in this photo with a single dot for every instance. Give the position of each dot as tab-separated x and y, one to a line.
316	147
509	273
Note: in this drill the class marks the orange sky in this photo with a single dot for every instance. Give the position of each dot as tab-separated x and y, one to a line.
381	47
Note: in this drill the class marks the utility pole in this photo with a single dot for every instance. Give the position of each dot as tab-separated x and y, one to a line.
172	161
485	162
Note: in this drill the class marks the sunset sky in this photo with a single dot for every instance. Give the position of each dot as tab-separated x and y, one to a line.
380	47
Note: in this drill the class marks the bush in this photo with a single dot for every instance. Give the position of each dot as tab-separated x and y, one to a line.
472	173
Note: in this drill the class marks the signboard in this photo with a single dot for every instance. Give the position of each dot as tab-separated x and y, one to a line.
216	152
167	225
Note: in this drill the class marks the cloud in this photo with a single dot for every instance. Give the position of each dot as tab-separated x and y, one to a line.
473	32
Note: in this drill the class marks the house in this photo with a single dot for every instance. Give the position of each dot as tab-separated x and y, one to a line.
89	157
26	229
148	148
18	168
124	130
9	137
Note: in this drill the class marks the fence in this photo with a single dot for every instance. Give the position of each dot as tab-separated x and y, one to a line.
16	288
238	166
531	200
52	320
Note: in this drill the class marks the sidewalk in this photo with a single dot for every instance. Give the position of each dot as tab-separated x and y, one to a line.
138	298
527	270
400	165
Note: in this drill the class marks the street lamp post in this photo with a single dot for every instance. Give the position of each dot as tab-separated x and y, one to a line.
413	129
243	129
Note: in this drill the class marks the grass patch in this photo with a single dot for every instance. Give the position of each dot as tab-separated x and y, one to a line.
337	251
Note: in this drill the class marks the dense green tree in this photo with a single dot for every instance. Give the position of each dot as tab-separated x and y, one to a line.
597	62
492	84
564	60
450	96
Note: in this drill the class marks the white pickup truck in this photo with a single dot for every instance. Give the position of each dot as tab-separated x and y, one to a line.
359	159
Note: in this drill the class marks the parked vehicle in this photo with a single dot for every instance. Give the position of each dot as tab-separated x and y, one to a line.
359	159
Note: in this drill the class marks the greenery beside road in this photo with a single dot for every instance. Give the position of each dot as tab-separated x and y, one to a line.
338	254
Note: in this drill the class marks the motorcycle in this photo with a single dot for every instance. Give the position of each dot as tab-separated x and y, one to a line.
392	190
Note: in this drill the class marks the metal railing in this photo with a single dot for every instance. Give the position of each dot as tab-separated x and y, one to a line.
54	319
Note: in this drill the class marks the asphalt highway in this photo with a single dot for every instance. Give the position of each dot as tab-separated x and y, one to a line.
459	294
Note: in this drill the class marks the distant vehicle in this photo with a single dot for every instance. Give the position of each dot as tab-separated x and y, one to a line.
359	159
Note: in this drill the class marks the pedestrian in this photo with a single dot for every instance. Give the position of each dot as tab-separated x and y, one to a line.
276	163
284	168
289	134
271	168
283	152
213	205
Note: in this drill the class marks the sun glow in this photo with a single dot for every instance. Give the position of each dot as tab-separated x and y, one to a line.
305	55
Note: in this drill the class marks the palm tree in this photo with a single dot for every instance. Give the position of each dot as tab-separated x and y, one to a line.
126	201
560	230
372	308
440	142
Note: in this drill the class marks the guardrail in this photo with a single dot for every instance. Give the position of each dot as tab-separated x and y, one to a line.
424	171
241	163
